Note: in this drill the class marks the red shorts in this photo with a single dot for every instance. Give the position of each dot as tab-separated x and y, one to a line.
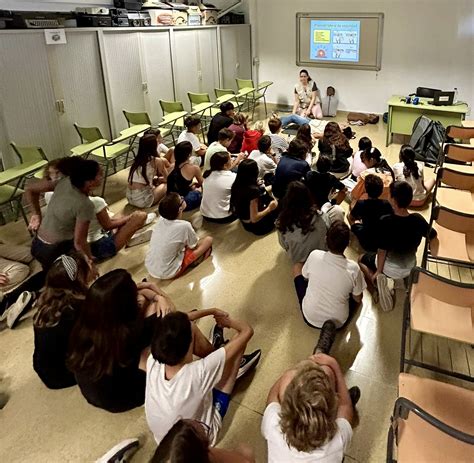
188	259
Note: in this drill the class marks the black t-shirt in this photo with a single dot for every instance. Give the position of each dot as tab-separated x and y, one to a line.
240	201
218	122
288	170
51	346
403	235
369	211
321	185
340	162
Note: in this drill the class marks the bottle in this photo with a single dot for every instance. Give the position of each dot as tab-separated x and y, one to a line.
455	96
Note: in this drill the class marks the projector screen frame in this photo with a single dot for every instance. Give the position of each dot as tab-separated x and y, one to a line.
342	16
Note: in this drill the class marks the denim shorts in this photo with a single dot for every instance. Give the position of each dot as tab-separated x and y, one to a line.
104	248
193	200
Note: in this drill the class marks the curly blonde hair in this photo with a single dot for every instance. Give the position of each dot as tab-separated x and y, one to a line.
309	409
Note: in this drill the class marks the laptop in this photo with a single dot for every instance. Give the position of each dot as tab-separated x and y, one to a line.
443	99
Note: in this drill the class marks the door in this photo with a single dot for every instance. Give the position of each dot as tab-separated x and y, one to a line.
208	60
236	54
78	85
157	71
123	76
26	94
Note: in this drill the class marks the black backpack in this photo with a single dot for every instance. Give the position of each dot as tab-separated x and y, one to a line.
427	139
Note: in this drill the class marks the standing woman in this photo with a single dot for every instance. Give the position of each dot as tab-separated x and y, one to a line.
180	180
66	222
251	204
147	169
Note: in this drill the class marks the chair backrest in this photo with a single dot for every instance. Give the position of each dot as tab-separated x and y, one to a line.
461	153
456	179
136	118
28	153
88	134
198	98
460	133
453	220
169	107
244	83
223	91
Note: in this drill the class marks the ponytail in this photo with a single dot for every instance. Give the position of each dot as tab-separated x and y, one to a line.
407	156
217	163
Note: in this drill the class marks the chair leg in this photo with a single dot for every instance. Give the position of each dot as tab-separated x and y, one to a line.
406	311
105	178
25	218
265	103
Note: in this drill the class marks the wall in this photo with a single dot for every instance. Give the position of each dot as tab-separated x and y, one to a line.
426	43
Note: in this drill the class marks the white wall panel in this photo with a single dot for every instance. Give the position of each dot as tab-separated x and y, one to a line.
208	60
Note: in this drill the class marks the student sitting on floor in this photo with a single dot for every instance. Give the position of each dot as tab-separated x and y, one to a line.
193	129
252	136
250	202
304	134
110	341
310	413
329	286
336	145
411	171
400	234
181	179
216	189
366	214
292	166
58	308
179	387
238	127
365	144
188	441
162	150
148	174
279	144
220	121
174	245
265	159
224	138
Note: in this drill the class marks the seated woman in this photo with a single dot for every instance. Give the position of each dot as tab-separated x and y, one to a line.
411	171
163	151
238	127
216	189
109	343
251	204
180	180
58	308
301	227
193	129
336	145
148	174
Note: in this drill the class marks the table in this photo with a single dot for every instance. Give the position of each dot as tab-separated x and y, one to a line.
402	116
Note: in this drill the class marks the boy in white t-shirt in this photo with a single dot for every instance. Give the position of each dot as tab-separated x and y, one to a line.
309	413
178	387
174	245
265	159
193	128
224	139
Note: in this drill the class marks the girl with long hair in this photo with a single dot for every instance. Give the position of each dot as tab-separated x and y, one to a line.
336	145
147	177
251	204
304	134
58	309
108	345
411	171
301	226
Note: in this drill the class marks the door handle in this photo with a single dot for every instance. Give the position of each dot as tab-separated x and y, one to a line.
145	87
60	106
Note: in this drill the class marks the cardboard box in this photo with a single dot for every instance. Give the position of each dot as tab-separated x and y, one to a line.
194	16
209	17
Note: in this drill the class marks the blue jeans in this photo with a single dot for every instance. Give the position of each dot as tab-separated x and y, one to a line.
294	119
193	200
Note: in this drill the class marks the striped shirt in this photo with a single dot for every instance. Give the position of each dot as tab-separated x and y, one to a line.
279	145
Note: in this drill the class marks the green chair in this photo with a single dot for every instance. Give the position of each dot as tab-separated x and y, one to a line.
141	120
256	93
32	159
200	104
106	152
173	116
225	94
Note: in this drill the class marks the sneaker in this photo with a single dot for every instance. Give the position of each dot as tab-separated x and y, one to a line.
326	338
140	237
19	308
216	336
248	362
151	216
120	453
354	392
385	294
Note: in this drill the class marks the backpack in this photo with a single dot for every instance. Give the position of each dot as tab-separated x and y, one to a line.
329	103
427	138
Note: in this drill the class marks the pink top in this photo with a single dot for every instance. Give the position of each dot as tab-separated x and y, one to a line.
357	165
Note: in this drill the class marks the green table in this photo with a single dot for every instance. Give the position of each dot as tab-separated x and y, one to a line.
402	116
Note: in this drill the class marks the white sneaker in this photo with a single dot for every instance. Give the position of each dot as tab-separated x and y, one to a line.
140	237
150	218
120	453
17	309
385	293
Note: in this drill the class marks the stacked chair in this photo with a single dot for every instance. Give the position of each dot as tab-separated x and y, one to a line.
433	420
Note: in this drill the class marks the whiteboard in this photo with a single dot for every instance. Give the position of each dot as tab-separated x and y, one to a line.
340	40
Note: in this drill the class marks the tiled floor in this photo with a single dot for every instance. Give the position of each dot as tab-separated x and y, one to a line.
251	278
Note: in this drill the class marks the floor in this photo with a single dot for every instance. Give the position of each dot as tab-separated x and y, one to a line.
251	278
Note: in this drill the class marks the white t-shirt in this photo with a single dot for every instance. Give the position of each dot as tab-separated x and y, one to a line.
332	279
167	245
266	165
214	147
188	395
280	452
162	149
216	190
96	231
191	137
417	184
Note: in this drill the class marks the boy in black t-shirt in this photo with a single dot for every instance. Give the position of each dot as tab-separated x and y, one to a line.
366	214
400	235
